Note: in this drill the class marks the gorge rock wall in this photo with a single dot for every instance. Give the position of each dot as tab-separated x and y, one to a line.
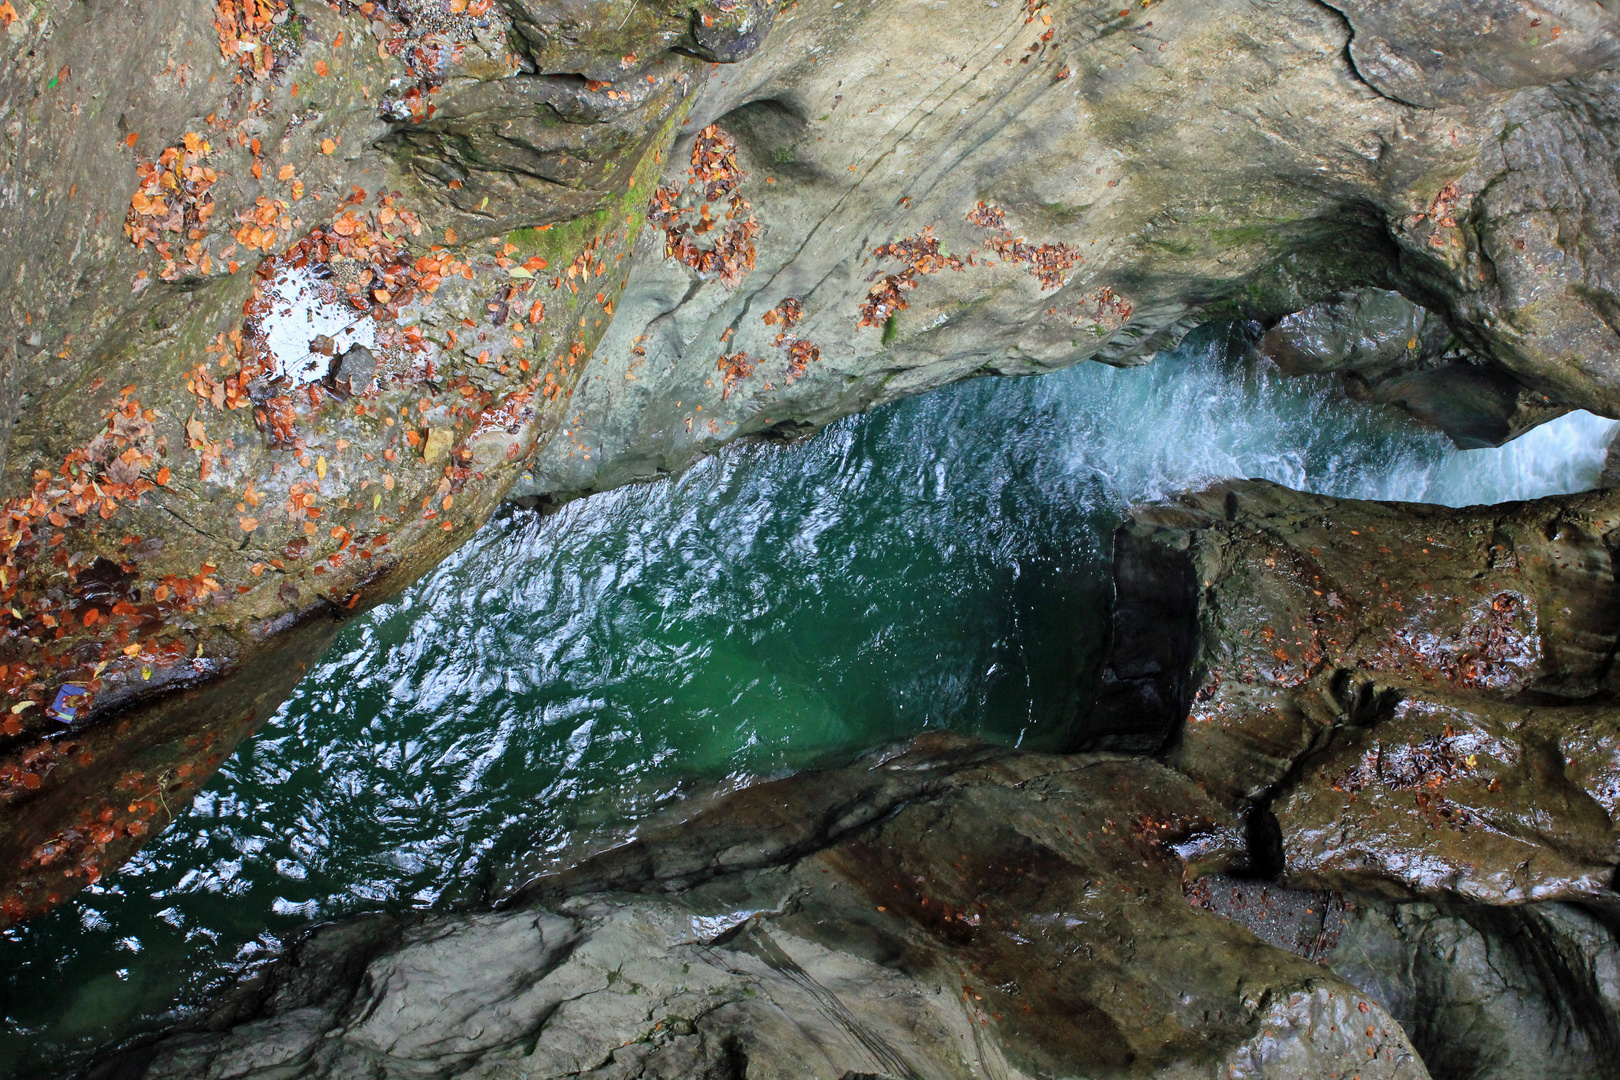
850	202
1413	709
191	507
1139	171
1396	693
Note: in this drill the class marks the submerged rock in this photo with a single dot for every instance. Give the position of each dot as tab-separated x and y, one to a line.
945	912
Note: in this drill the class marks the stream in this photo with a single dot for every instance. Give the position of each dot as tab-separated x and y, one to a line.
939	562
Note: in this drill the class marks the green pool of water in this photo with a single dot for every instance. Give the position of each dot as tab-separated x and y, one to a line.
940	562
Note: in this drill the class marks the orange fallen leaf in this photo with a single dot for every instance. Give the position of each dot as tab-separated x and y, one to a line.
286	173
328	146
249	524
129	140
320	67
91	617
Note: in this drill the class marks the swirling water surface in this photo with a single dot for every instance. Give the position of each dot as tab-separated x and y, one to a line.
940	562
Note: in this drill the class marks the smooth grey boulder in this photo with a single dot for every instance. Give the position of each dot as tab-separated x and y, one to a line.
1395	352
1493	993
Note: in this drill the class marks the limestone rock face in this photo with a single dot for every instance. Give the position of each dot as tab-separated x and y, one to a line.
1526	991
198	484
1484	991
1434	52
1138	173
1423	697
947	912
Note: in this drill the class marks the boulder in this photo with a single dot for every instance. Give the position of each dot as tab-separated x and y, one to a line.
1522	992
1395	352
1403	698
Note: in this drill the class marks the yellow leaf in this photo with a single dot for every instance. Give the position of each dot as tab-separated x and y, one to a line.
320	467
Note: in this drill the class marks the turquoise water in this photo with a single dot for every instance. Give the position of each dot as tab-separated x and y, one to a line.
938	562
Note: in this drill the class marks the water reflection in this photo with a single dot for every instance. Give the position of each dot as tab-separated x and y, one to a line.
938	562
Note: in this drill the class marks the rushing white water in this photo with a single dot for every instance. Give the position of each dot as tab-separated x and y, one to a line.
938	562
1195	416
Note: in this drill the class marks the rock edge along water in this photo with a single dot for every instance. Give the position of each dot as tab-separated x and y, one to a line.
946	911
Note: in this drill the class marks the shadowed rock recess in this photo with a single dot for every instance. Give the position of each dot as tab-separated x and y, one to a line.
300	292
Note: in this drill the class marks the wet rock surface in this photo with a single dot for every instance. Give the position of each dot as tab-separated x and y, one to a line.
1503	992
1403	698
1483	991
1395	352
944	912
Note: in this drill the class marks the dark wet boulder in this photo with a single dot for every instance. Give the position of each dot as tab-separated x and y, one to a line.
1484	991
1405	698
1523	992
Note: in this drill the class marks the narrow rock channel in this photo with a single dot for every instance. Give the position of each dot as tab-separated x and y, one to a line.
497	579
